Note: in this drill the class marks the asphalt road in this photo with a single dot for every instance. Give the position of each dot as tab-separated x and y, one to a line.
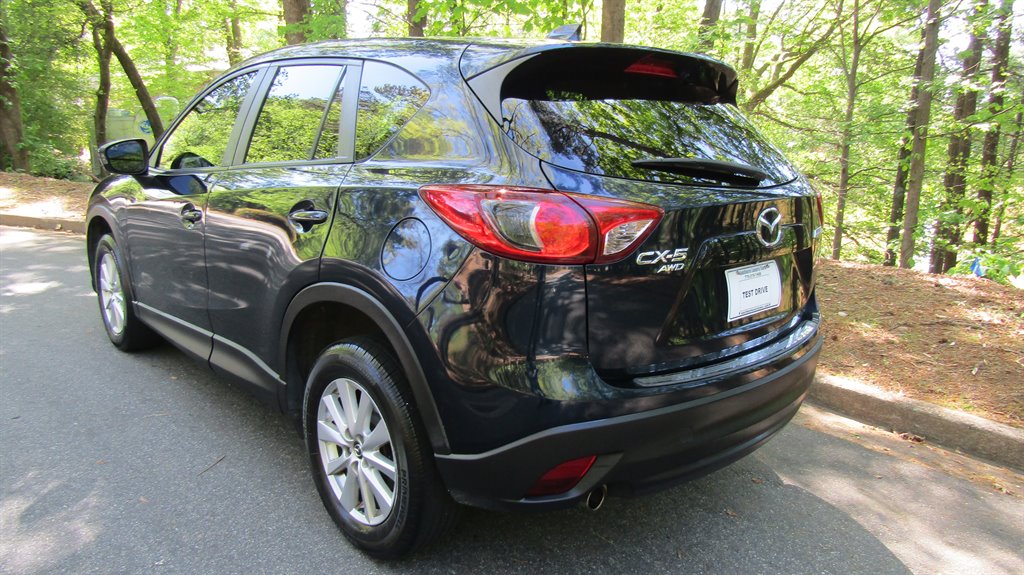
148	463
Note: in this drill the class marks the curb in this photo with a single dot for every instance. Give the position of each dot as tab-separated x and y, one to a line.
53	224
973	435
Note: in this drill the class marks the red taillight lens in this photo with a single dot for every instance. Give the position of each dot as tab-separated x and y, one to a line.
821	209
562	477
653	66
542	226
621	225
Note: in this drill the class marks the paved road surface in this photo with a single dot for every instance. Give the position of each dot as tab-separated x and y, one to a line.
147	463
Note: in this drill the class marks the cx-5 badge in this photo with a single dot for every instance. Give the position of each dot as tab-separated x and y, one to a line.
670	260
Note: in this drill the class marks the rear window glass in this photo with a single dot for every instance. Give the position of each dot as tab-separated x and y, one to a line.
388	98
293	113
611	112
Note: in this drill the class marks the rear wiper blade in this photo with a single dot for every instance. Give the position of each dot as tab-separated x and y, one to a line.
718	170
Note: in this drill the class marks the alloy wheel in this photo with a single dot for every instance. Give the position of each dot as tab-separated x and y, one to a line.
356	452
112	294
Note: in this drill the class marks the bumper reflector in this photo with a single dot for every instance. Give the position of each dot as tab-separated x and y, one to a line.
562	477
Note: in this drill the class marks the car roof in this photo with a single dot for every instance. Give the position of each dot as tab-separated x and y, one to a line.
425	57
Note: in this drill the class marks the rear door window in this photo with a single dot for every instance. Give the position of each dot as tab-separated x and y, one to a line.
388	98
295	113
627	107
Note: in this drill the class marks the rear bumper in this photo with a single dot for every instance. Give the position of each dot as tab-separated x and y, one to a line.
639	452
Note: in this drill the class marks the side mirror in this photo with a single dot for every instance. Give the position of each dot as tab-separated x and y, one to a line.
125	157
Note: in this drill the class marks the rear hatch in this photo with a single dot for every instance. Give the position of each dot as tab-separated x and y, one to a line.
729	269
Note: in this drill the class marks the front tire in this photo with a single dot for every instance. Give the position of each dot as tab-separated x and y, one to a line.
123	327
371	461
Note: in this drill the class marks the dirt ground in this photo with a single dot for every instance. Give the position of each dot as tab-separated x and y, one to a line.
45	197
957	341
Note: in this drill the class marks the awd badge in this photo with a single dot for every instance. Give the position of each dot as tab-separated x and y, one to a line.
668	260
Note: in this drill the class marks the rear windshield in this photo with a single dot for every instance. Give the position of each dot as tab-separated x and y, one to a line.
610	112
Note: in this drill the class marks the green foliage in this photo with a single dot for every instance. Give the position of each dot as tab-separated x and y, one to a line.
51	76
998	264
792	59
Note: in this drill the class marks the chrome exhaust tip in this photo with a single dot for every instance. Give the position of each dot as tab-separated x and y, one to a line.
595	499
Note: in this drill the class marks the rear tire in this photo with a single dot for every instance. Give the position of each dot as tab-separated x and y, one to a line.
371	460
114	294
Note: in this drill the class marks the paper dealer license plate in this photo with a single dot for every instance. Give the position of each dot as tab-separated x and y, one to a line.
753	289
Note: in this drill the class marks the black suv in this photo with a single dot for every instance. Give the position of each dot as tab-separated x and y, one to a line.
503	274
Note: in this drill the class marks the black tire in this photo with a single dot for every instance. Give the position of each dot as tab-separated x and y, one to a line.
133	335
422	510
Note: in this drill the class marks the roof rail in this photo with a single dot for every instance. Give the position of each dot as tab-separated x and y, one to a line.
568	32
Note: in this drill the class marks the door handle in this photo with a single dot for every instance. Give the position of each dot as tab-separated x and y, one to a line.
190	215
304	216
309	217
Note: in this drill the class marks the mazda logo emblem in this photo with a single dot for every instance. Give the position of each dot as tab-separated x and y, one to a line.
768	229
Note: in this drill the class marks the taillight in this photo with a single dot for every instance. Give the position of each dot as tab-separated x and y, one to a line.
543	226
821	209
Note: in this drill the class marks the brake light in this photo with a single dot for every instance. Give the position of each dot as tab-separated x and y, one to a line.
562	477
652	66
543	226
821	209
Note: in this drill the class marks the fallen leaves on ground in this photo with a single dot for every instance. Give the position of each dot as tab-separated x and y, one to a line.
957	341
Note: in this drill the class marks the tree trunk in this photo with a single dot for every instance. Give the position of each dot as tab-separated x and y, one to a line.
844	148
106	21
11	128
233	35
783	76
295	13
1011	161
708	23
990	147
613	20
747	60
99	117
899	188
919	142
947	228
172	44
416	25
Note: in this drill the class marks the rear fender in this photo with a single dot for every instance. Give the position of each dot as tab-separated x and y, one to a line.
390	328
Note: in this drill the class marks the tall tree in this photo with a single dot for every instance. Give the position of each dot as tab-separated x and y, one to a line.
105	21
708	21
1011	160
947	226
750	39
613	20
990	147
233	33
801	48
11	128
416	22
899	187
919	136
99	116
295	14
861	32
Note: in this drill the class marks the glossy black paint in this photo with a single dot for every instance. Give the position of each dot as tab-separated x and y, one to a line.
499	354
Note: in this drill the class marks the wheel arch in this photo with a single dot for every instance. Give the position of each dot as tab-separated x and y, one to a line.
364	314
98	224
